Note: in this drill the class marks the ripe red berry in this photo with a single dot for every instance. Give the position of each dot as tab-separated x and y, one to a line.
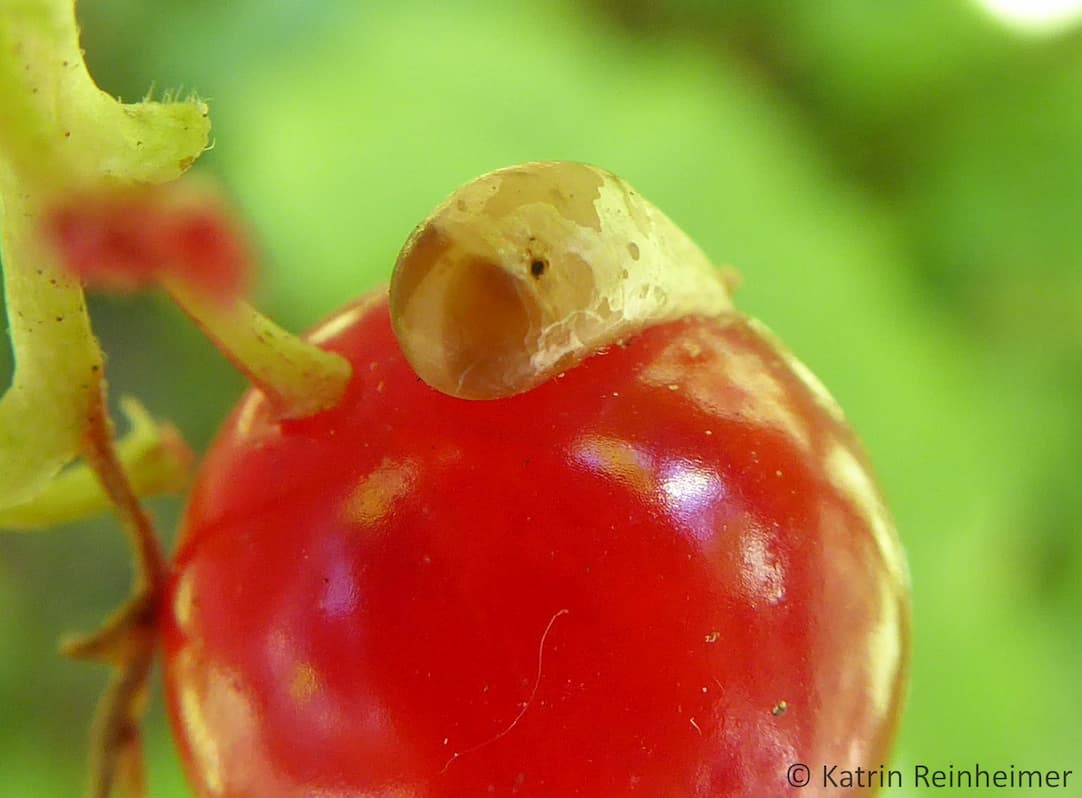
666	573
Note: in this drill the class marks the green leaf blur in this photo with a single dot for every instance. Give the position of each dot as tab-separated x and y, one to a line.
899	183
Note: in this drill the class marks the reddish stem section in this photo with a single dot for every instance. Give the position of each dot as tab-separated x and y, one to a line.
100	453
127	640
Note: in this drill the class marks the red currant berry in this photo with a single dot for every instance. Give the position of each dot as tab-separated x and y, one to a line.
667	572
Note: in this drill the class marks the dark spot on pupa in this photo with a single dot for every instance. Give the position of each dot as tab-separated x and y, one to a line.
537	268
633	249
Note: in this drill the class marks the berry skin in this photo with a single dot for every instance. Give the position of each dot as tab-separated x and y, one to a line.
665	573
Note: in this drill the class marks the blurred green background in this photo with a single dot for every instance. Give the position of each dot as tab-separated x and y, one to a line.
899	183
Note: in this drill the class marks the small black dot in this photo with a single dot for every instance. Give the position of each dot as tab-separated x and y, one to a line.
537	268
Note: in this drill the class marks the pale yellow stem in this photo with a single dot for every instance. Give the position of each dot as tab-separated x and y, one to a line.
298	378
154	458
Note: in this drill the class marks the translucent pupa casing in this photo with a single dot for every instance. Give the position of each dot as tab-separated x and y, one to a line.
525	271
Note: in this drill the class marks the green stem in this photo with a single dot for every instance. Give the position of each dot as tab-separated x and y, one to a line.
58	130
43	414
153	455
297	377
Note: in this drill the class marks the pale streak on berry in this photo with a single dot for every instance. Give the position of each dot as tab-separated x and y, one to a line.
852	480
377	493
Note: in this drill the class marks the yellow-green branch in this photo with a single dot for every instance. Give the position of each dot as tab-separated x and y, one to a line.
59	130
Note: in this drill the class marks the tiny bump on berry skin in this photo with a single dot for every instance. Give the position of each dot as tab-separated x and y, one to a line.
598	587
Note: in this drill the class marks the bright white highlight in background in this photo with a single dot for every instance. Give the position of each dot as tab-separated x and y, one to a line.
1036	16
